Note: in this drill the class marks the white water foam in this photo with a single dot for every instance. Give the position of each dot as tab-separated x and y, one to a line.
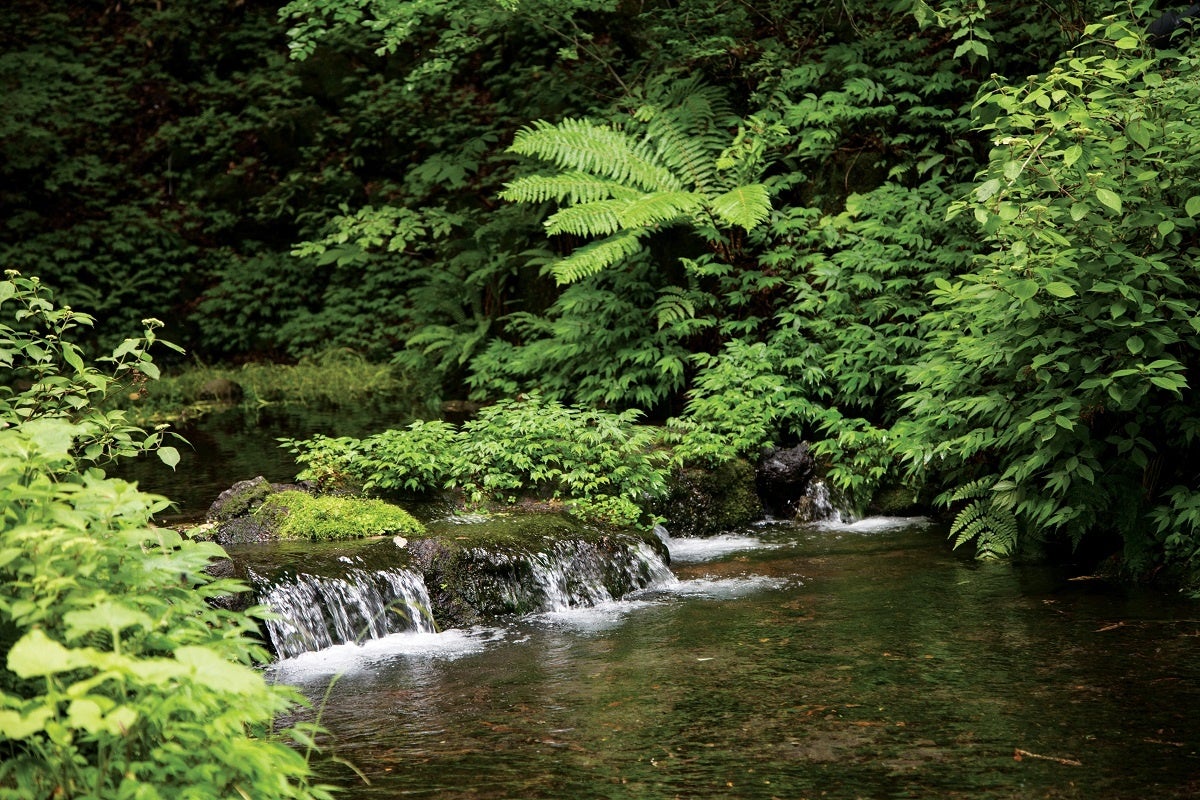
727	588
692	549
591	619
349	658
873	524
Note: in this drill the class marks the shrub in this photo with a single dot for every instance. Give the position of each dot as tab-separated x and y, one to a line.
120	679
602	463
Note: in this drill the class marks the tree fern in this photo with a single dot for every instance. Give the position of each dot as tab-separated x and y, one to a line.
618	183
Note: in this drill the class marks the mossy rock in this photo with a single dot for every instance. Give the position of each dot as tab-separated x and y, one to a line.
898	501
298	515
704	501
479	571
240	499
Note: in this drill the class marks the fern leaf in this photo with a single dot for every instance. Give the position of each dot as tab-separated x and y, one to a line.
746	206
660	208
575	187
588	219
597	256
580	145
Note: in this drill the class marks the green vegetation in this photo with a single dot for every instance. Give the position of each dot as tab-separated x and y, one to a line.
119	679
602	464
334	379
299	515
950	244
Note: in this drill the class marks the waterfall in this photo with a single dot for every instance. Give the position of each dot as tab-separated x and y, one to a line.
323	598
315	612
817	505
572	574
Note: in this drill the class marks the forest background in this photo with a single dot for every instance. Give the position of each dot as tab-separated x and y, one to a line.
951	244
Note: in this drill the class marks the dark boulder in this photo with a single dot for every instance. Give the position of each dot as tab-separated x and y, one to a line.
782	478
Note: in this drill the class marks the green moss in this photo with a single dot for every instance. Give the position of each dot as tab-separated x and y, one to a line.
298	515
703	501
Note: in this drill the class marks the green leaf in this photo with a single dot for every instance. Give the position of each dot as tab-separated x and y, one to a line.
108	615
1072	154
36	654
1025	289
1109	198
211	670
71	356
1192	206
1135	344
53	436
987	190
169	456
19	726
1060	289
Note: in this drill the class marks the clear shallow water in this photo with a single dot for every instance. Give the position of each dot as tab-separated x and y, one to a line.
862	661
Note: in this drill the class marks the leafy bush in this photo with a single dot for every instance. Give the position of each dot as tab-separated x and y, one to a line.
299	515
120	679
603	464
1052	393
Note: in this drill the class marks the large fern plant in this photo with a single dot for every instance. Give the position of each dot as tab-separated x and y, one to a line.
680	159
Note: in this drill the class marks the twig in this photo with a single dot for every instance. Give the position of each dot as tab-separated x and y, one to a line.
1019	754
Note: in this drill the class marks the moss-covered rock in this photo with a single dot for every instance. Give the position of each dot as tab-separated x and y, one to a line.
706	501
295	514
515	564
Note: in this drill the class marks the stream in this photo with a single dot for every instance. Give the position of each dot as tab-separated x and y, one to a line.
826	661
863	660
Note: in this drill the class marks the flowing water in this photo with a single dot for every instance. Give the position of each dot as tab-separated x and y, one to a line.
833	660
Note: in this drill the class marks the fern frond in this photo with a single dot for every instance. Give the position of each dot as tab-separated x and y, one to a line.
577	144
597	256
575	187
660	208
746	206
993	528
673	306
588	219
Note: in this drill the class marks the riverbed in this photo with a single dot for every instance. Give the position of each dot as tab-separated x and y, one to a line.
863	660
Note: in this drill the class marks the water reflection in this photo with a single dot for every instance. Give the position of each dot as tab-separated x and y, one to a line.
828	664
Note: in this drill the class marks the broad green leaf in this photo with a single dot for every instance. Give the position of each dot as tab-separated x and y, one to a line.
1135	344
1060	289
1023	290
18	726
987	190
1109	198
1072	154
52	435
169	456
71	356
1192	206
1139	133
215	672
37	654
109	615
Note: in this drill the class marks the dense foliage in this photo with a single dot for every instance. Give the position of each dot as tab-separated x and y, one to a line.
600	464
950	243
120	679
